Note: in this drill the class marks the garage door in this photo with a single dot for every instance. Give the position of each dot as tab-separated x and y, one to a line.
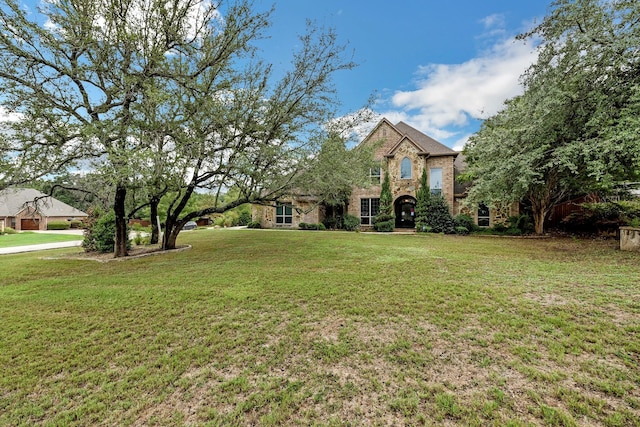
30	224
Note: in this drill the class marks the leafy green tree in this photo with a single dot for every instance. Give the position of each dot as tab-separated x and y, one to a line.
573	128
78	80
385	220
257	136
511	159
336	170
163	100
423	197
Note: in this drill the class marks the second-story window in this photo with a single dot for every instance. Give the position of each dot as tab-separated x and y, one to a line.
405	168
435	181
374	173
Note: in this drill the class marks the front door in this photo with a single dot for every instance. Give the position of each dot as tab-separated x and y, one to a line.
405	208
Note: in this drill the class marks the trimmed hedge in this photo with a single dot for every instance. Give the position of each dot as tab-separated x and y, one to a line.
58	225
464	224
350	222
384	225
306	226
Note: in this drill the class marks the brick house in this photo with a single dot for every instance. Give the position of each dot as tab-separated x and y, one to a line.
403	152
29	209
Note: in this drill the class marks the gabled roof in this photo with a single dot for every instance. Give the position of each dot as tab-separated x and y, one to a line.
406	138
382	121
14	200
425	142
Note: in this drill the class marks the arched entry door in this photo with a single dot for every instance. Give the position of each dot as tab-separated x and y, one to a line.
405	208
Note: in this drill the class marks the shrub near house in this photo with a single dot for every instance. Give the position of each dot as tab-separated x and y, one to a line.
58	225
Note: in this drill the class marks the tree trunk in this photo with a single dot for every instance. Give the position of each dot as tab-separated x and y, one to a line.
155	232
540	208
121	238
170	236
538	221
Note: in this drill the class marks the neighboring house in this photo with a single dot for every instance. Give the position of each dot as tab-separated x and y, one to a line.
29	209
403	152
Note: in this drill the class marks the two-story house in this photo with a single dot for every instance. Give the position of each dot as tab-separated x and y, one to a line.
403	152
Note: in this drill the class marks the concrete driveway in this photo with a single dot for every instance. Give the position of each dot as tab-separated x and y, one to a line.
41	247
45	246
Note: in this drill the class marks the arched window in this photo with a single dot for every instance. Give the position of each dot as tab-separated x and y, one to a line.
405	168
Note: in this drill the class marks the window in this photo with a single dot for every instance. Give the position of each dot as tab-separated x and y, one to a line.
435	181
369	208
484	215
374	173
405	168
284	214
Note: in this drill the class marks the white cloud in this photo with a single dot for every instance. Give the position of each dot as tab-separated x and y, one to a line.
142	15
492	21
450	94
8	116
460	143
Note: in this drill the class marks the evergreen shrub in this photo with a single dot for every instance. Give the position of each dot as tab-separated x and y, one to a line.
385	221
58	225
522	223
350	222
307	226
100	233
464	224
438	216
331	222
384	224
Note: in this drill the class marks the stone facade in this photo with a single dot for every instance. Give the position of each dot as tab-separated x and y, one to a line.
629	239
394	144
302	210
496	216
422	152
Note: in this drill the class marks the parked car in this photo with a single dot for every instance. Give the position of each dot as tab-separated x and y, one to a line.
190	225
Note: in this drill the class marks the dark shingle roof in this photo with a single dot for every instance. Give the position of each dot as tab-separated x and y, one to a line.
428	144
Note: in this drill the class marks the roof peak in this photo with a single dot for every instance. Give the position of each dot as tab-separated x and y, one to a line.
424	141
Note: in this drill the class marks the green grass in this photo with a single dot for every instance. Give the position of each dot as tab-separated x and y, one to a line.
31	238
259	327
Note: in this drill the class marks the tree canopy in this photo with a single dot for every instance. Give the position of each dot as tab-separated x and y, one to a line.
161	99
575	128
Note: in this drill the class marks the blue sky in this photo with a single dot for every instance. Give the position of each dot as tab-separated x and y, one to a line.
440	66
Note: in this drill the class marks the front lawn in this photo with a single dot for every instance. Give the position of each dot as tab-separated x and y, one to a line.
258	327
29	238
